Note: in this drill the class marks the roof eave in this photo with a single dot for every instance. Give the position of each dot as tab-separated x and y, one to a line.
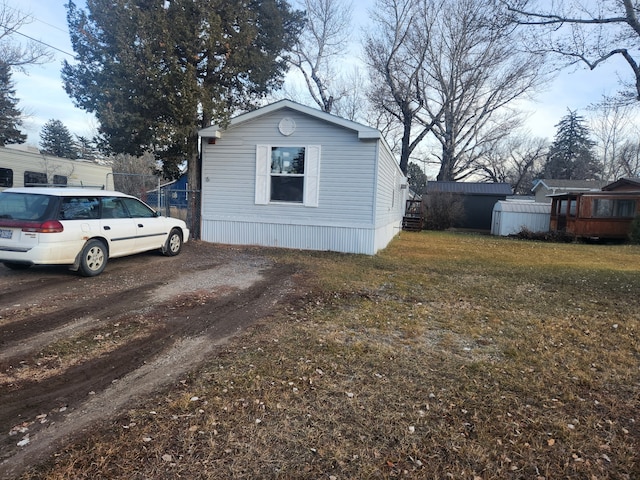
364	132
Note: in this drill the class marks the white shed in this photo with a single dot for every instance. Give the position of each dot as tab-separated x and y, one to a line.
511	216
288	175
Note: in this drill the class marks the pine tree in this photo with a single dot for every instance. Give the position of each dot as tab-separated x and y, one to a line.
86	148
155	72
417	178
55	139
10	115
571	155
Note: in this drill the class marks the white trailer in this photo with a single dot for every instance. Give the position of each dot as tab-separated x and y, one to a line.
29	168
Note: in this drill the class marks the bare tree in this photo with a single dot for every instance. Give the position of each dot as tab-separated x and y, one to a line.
474	73
354	105
17	54
611	125
516	159
449	71
323	41
585	32
629	159
395	50
135	175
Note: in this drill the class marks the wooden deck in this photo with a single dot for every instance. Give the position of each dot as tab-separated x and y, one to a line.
413	220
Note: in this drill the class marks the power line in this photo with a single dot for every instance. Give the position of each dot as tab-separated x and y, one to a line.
44	43
35	39
50	25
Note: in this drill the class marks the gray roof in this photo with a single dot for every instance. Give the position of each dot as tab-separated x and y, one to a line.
629	181
552	184
470	188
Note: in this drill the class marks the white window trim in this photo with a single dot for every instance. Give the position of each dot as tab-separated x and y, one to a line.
311	186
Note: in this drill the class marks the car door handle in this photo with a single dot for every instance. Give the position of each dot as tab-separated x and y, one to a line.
141	225
107	227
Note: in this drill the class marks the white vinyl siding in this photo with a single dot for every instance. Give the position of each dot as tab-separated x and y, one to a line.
14	163
345	177
341	187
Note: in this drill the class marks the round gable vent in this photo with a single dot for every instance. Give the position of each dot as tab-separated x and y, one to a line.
287	126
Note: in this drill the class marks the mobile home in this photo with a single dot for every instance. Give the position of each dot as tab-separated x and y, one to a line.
595	214
288	175
29	168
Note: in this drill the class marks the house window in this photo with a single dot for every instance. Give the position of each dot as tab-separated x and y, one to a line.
34	178
608	207
563	207
6	177
624	208
602	207
287	174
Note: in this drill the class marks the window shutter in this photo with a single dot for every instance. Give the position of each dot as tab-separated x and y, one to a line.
312	176
262	174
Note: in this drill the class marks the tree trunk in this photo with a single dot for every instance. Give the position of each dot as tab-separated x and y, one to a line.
194	189
405	151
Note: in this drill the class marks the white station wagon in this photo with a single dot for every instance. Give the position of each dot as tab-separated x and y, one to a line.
81	228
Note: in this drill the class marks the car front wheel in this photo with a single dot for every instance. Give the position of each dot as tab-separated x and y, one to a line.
93	258
174	243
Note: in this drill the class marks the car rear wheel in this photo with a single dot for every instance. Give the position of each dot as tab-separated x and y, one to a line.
16	266
93	258
174	243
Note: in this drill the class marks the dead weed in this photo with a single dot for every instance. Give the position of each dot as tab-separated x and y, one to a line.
445	356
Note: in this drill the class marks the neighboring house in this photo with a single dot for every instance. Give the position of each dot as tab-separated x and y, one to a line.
623	184
478	200
542	188
513	216
27	167
287	175
606	214
173	194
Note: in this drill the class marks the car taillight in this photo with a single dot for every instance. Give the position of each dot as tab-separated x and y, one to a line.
50	226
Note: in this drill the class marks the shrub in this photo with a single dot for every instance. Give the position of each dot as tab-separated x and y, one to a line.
443	210
559	237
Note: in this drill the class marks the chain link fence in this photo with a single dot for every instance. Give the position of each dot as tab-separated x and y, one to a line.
172	199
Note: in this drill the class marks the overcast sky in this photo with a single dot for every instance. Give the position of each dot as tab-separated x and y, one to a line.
42	97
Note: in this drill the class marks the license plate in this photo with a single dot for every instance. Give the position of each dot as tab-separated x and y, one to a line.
5	233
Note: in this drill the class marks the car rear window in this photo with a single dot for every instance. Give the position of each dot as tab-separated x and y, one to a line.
27	206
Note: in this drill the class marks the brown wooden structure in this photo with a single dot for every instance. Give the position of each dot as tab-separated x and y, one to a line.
605	214
413	219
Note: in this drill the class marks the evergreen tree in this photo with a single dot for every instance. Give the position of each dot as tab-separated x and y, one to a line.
10	115
417	178
571	155
86	148
156	72
55	139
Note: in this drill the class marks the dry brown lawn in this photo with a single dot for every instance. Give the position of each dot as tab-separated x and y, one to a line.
445	356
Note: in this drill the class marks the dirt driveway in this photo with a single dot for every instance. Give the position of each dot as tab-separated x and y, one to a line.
77	350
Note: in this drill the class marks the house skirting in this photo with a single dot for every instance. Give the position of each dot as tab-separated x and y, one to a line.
304	237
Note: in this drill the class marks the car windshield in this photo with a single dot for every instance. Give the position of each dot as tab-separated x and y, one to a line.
26	206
